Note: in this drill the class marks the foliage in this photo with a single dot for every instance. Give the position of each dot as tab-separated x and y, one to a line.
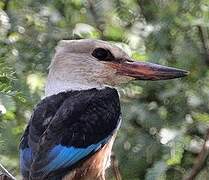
164	122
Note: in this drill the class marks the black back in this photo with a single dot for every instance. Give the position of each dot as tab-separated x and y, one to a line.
72	119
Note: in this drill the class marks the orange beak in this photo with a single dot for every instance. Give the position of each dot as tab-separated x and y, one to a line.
148	71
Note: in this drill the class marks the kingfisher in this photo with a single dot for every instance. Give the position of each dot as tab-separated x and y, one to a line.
72	130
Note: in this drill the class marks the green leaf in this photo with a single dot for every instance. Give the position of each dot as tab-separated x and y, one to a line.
201	117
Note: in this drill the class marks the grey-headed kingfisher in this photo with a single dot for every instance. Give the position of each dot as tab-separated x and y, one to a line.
71	131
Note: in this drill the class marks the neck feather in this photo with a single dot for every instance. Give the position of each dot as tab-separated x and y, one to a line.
55	87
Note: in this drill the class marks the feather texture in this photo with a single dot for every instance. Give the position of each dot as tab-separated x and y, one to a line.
63	156
66	130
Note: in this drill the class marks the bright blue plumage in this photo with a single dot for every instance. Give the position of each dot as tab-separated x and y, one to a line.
65	129
67	156
60	156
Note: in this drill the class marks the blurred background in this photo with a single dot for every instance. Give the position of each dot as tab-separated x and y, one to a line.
165	123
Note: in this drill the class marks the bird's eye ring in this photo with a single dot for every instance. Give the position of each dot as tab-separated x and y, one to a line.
101	54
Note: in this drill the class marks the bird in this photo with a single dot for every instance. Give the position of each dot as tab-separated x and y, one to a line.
72	130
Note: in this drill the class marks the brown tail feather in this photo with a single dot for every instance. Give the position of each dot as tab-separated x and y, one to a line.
5	177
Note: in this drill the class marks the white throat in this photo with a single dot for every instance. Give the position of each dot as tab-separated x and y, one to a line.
56	86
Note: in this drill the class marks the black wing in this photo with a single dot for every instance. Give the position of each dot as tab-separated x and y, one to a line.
82	124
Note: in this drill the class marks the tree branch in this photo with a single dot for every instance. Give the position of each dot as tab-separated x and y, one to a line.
115	167
204	39
201	159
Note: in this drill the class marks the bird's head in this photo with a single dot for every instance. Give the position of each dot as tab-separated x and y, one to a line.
85	64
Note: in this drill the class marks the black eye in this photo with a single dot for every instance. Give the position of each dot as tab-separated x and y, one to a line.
101	54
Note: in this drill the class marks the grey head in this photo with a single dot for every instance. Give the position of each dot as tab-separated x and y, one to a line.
87	63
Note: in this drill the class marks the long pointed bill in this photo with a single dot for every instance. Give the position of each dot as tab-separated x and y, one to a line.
148	71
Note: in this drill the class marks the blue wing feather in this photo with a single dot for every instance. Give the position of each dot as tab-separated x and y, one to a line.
62	156
25	159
